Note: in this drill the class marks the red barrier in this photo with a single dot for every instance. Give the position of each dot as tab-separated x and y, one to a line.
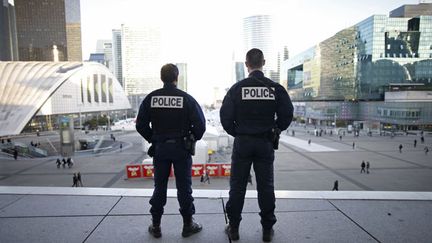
133	171
213	169
225	169
197	169
147	170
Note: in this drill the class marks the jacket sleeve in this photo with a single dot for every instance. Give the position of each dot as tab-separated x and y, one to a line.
227	113
198	122
284	109
143	120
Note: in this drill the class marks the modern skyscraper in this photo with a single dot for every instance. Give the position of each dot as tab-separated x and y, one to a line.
117	55
49	30
8	37
258	33
183	77
378	71
105	47
141	58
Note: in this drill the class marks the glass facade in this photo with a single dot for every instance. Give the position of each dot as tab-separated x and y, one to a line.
48	30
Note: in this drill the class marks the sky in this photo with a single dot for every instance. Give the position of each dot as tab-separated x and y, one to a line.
207	35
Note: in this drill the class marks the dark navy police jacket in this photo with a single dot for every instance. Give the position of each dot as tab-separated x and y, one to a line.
172	113
251	108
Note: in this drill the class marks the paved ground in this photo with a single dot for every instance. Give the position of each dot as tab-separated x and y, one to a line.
109	215
298	166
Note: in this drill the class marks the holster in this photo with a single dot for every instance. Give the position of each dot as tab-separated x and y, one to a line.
189	143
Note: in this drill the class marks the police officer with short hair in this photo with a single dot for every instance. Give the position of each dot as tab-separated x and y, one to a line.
252	111
175	119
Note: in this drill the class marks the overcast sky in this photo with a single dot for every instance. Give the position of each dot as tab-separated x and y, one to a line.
207	34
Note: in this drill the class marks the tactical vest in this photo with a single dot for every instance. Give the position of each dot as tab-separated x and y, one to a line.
169	113
255	104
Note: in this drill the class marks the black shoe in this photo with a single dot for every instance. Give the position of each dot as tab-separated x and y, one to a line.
155	230
268	235
232	232
191	227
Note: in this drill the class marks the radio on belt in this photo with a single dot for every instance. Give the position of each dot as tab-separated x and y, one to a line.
166	102
257	93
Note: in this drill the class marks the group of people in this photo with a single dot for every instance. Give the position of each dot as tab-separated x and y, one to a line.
76	179
69	162
254	111
363	166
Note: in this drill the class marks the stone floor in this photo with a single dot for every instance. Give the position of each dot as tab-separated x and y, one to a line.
64	214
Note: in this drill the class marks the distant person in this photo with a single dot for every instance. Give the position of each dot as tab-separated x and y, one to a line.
367	167
15	154
58	162
363	165
309	141
206	177
400	148
426	149
353	145
422	139
69	162
64	162
336	186
340	137
75	180
121	147
415	143
79	181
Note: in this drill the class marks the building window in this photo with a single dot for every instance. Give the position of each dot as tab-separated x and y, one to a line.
89	99
104	88
96	88
110	90
388	46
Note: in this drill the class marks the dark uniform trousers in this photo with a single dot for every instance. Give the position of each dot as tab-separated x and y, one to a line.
167	154
248	151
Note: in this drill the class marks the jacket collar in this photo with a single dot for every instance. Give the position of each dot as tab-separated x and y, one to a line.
169	86
257	74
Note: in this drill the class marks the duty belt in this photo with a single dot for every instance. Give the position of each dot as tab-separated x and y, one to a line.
256	135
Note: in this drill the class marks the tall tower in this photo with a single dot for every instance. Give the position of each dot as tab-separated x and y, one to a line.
258	33
141	58
49	30
105	47
8	36
117	55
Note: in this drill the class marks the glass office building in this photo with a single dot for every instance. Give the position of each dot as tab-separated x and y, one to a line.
359	65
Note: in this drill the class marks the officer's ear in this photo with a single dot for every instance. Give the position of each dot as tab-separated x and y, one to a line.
263	63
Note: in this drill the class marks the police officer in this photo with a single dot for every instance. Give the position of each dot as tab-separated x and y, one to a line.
175	118
251	111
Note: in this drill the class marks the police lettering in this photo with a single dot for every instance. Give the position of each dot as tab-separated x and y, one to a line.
166	102
257	93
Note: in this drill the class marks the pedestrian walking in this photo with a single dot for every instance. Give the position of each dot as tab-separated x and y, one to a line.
422	139
426	149
415	143
172	121
400	148
353	145
363	165
58	162
75	180
340	137
254	111
309	142
336	186
15	154
79	181
64	162
121	147
367	167
206	178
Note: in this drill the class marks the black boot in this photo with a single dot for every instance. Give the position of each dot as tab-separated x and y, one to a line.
268	235
190	227
232	232
155	230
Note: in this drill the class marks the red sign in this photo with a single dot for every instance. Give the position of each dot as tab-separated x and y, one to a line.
133	171
225	169
197	169
213	169
147	170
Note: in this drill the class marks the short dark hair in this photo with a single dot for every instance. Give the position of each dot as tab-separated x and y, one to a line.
169	73
255	58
